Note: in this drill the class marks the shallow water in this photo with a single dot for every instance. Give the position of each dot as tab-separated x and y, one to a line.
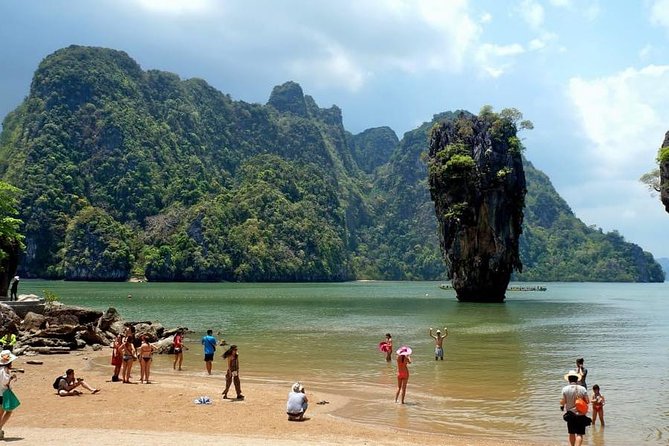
504	362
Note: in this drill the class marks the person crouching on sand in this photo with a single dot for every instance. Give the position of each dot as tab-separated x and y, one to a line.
232	375
403	360
67	386
297	403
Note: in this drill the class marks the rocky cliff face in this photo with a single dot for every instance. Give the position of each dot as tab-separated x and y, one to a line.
477	184
664	172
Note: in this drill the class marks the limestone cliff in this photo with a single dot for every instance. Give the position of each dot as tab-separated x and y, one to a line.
477	183
664	172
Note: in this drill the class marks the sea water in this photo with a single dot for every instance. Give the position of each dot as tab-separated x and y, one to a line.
504	363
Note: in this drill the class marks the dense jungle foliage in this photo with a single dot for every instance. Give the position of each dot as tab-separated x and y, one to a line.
125	172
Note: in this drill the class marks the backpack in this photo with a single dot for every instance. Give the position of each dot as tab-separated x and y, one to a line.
56	383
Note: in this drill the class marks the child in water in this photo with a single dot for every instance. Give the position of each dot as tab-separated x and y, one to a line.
598	402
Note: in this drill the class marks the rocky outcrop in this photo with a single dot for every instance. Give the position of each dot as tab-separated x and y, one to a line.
62	329
664	172
478	187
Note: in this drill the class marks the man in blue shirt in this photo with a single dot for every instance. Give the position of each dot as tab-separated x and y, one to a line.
209	343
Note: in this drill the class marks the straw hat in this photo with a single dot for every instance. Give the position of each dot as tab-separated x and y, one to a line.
404	350
6	357
573	373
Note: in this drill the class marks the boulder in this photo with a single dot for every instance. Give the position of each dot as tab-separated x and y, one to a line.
81	315
9	320
108	319
33	322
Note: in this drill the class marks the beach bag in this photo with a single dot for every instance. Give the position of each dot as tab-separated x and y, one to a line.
9	400
56	383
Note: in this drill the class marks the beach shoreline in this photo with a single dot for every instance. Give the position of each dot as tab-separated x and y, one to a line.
164	411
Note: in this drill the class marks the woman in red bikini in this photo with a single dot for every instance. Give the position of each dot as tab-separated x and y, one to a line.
403	360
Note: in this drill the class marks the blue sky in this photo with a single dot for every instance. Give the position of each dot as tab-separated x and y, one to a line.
593	76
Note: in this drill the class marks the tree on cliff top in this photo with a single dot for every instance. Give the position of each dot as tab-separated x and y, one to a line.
11	241
478	186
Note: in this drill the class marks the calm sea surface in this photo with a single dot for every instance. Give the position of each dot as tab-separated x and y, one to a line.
504	362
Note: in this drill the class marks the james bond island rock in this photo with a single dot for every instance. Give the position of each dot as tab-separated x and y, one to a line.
477	184
663	160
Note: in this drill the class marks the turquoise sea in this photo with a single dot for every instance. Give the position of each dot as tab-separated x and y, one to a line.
504	363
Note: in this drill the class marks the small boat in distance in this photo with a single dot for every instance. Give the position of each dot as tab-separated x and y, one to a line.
446	286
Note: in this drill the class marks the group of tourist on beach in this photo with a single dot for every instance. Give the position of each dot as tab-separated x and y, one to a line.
126	349
575	402
404	358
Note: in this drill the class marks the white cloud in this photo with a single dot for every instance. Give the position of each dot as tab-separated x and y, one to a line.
335	68
497	59
561	3
624	117
659	13
532	12
646	52
177	7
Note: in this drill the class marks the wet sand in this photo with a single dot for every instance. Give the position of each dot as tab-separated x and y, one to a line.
163	412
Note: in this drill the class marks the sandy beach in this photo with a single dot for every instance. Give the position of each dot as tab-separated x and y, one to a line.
164	411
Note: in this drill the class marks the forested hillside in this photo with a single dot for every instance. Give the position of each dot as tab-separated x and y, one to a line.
130	172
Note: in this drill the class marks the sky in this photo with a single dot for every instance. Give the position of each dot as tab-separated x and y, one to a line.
592	75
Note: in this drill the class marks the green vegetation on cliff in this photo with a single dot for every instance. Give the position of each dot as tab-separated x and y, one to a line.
130	172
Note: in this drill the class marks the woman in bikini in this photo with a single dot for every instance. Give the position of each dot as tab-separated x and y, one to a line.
128	353
145	356
403	360
232	375
178	349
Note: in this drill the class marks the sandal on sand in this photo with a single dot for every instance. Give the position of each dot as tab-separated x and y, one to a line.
95	391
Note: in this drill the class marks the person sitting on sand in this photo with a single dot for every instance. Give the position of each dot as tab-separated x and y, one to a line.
297	403
439	343
67	386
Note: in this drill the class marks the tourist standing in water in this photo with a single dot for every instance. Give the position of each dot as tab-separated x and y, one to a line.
439	343
580	368
403	360
387	346
209	343
598	402
576	422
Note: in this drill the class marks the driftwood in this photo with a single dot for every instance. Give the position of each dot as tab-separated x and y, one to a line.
50	350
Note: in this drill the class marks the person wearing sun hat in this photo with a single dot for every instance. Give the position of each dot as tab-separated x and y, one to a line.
403	360
8	401
576	422
297	403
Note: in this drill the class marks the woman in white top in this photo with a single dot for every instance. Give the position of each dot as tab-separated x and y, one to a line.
6	378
